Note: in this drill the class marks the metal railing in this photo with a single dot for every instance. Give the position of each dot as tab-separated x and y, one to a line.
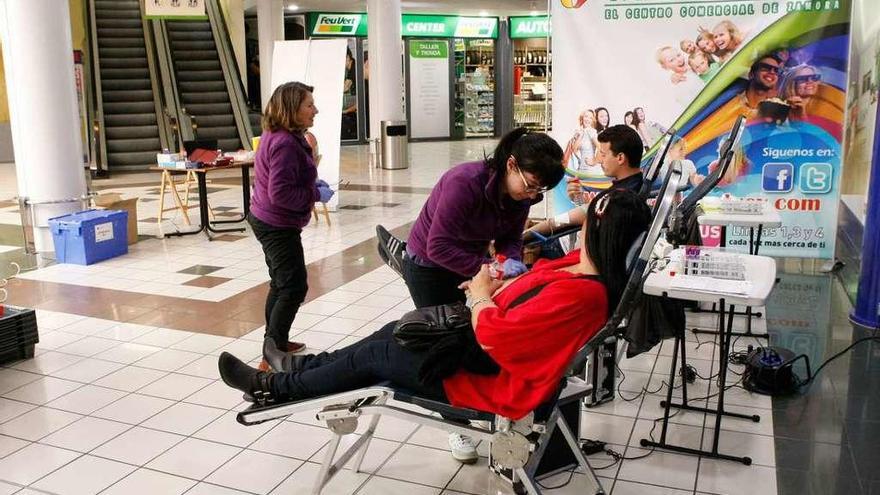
94	96
28	218
174	110
166	128
231	74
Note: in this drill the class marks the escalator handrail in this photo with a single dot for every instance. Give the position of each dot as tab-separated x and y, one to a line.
100	138
166	135
231	73
173	105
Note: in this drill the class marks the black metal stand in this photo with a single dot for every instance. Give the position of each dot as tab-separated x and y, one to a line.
203	212
245	197
754	244
725	327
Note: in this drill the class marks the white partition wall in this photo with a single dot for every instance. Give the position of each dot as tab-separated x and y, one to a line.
318	63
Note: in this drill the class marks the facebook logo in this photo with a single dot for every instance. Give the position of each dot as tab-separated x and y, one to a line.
778	177
815	178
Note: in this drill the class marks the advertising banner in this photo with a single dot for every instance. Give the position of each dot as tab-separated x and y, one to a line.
529	27
695	66
318	63
338	24
411	25
175	9
449	26
429	88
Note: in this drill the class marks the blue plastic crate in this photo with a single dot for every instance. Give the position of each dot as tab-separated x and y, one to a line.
90	236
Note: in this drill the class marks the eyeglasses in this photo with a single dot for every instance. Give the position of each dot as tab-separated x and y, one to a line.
809	78
768	68
528	187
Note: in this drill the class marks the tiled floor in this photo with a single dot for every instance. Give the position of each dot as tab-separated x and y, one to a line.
123	395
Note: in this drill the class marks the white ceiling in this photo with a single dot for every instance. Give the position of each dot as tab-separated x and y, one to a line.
500	8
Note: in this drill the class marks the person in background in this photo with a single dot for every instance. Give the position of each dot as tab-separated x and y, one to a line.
702	65
349	99
285	191
678	151
706	42
799	88
628	119
688	46
763	85
313	143
603	119
675	62
649	131
580	153
620	155
727	38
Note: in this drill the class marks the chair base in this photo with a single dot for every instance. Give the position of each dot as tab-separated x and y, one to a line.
341	412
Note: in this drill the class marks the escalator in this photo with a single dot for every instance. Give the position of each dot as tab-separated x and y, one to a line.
209	92
130	119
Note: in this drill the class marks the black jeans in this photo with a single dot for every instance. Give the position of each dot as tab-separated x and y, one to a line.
432	286
374	359
287	269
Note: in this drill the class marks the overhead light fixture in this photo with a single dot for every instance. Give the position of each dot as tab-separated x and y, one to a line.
292	7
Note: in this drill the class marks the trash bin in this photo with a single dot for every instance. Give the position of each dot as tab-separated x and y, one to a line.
395	149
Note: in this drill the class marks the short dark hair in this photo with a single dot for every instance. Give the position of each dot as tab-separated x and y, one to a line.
623	139
534	152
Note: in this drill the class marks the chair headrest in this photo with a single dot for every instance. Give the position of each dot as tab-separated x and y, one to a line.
633	253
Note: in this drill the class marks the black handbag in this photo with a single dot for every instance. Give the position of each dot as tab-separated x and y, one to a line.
420	329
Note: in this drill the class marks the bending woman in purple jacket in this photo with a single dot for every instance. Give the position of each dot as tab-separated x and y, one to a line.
473	204
285	191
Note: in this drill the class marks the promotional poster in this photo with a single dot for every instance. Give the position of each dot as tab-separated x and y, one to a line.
695	66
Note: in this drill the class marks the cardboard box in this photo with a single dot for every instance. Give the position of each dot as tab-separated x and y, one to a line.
114	201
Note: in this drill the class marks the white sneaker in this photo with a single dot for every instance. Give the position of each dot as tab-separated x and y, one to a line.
463	448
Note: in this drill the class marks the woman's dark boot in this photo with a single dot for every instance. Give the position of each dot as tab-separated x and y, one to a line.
282	361
253	382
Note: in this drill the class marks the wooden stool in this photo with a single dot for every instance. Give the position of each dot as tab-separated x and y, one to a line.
326	212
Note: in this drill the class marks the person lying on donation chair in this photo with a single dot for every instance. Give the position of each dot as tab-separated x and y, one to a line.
525	331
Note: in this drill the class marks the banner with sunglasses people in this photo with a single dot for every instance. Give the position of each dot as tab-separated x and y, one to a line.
695	67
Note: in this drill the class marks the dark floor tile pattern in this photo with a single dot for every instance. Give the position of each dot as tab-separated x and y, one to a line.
352	207
200	269
828	436
207	281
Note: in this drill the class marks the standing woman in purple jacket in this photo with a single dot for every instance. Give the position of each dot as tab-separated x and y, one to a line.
285	190
472	205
